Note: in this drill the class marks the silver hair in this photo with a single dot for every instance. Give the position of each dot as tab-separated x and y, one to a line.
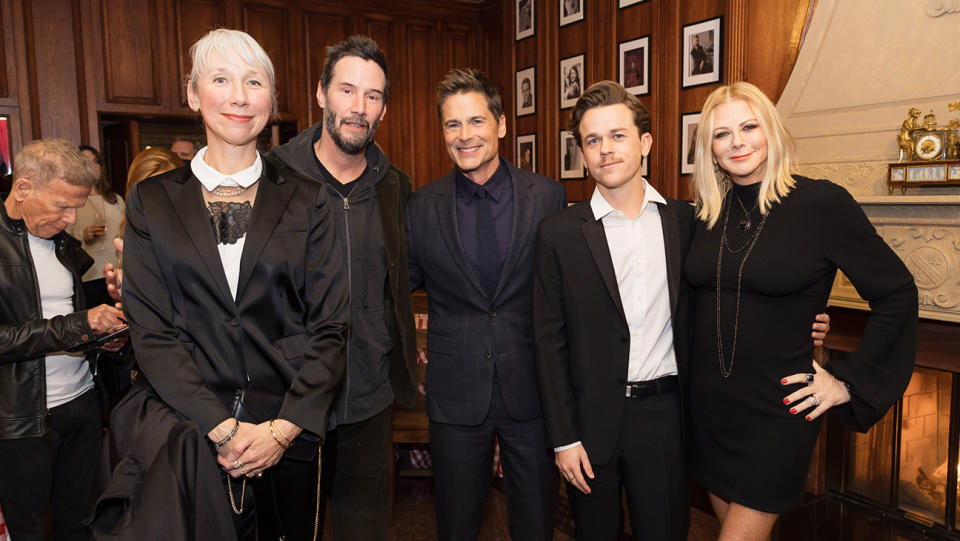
230	44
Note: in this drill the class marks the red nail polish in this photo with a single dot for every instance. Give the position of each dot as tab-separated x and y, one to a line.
783	381
808	418
793	410
786	400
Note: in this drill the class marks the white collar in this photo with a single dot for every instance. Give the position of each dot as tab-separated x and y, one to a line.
211	178
601	207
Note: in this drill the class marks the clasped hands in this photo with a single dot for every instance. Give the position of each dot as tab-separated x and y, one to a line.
253	448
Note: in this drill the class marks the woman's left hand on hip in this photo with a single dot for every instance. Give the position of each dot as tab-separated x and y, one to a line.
821	391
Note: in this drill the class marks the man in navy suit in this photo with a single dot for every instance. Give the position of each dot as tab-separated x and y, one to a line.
471	236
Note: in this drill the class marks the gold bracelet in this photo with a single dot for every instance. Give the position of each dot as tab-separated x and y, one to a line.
274	430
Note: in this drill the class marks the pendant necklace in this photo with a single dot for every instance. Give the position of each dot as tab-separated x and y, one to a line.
745	224
725	368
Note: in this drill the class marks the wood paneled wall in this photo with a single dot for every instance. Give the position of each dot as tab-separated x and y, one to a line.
760	43
64	62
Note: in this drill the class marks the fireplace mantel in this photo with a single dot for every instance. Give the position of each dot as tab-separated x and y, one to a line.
924	230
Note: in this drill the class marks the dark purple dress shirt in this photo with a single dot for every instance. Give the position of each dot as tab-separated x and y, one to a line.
500	188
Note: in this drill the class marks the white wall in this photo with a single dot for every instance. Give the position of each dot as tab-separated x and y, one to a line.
862	65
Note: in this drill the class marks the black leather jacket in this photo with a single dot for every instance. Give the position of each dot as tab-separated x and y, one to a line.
25	337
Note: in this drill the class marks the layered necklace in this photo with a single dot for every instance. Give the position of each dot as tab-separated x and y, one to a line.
744	225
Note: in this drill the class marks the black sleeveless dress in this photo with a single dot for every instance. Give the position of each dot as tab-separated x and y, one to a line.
748	448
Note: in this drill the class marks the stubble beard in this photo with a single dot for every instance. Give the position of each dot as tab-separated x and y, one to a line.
347	146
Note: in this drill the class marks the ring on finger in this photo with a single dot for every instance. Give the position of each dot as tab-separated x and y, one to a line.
237	464
815	400
242	470
808	378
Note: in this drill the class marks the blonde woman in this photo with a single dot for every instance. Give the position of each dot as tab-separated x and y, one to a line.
237	298
764	254
149	162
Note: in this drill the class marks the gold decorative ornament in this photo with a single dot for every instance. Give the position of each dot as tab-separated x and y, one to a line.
929	153
905	140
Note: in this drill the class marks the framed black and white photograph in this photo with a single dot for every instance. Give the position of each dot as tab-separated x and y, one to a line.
688	141
572	80
524	17
701	51
626	3
526	91
635	65
571	166
527	152
571	11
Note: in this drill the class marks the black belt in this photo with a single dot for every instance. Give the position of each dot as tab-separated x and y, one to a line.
652	387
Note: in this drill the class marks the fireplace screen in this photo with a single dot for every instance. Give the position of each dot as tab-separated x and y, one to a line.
911	445
871	460
924	440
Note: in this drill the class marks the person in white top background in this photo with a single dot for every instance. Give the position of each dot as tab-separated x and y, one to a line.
98	223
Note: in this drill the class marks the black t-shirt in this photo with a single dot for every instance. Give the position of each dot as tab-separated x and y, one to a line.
343	187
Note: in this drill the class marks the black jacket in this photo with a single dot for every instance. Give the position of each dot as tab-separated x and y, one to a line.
392	188
282	340
25	337
582	337
166	483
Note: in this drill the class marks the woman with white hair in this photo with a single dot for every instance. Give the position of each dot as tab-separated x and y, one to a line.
237	298
762	261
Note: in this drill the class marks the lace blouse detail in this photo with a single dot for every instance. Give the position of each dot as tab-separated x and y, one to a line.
230	220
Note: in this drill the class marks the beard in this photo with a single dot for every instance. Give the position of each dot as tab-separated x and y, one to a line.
344	144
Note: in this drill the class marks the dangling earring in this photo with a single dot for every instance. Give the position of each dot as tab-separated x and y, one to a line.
721	172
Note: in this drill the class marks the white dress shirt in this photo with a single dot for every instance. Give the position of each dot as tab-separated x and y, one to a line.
640	264
211	178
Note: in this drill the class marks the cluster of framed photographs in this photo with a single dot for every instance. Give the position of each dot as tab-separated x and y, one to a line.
571	11
700	51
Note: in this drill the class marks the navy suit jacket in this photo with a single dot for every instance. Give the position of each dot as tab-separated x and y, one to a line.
471	334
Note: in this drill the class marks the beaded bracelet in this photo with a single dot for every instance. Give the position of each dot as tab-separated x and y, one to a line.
228	437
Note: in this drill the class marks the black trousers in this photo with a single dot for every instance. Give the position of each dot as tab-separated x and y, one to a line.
649	461
462	468
53	473
356	473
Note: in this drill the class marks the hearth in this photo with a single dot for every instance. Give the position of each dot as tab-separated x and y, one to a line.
907	464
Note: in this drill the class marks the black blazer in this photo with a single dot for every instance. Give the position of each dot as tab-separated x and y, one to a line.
582	337
470	333
283	337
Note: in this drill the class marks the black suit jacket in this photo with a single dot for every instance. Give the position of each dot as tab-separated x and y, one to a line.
471	334
582	337
283	337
